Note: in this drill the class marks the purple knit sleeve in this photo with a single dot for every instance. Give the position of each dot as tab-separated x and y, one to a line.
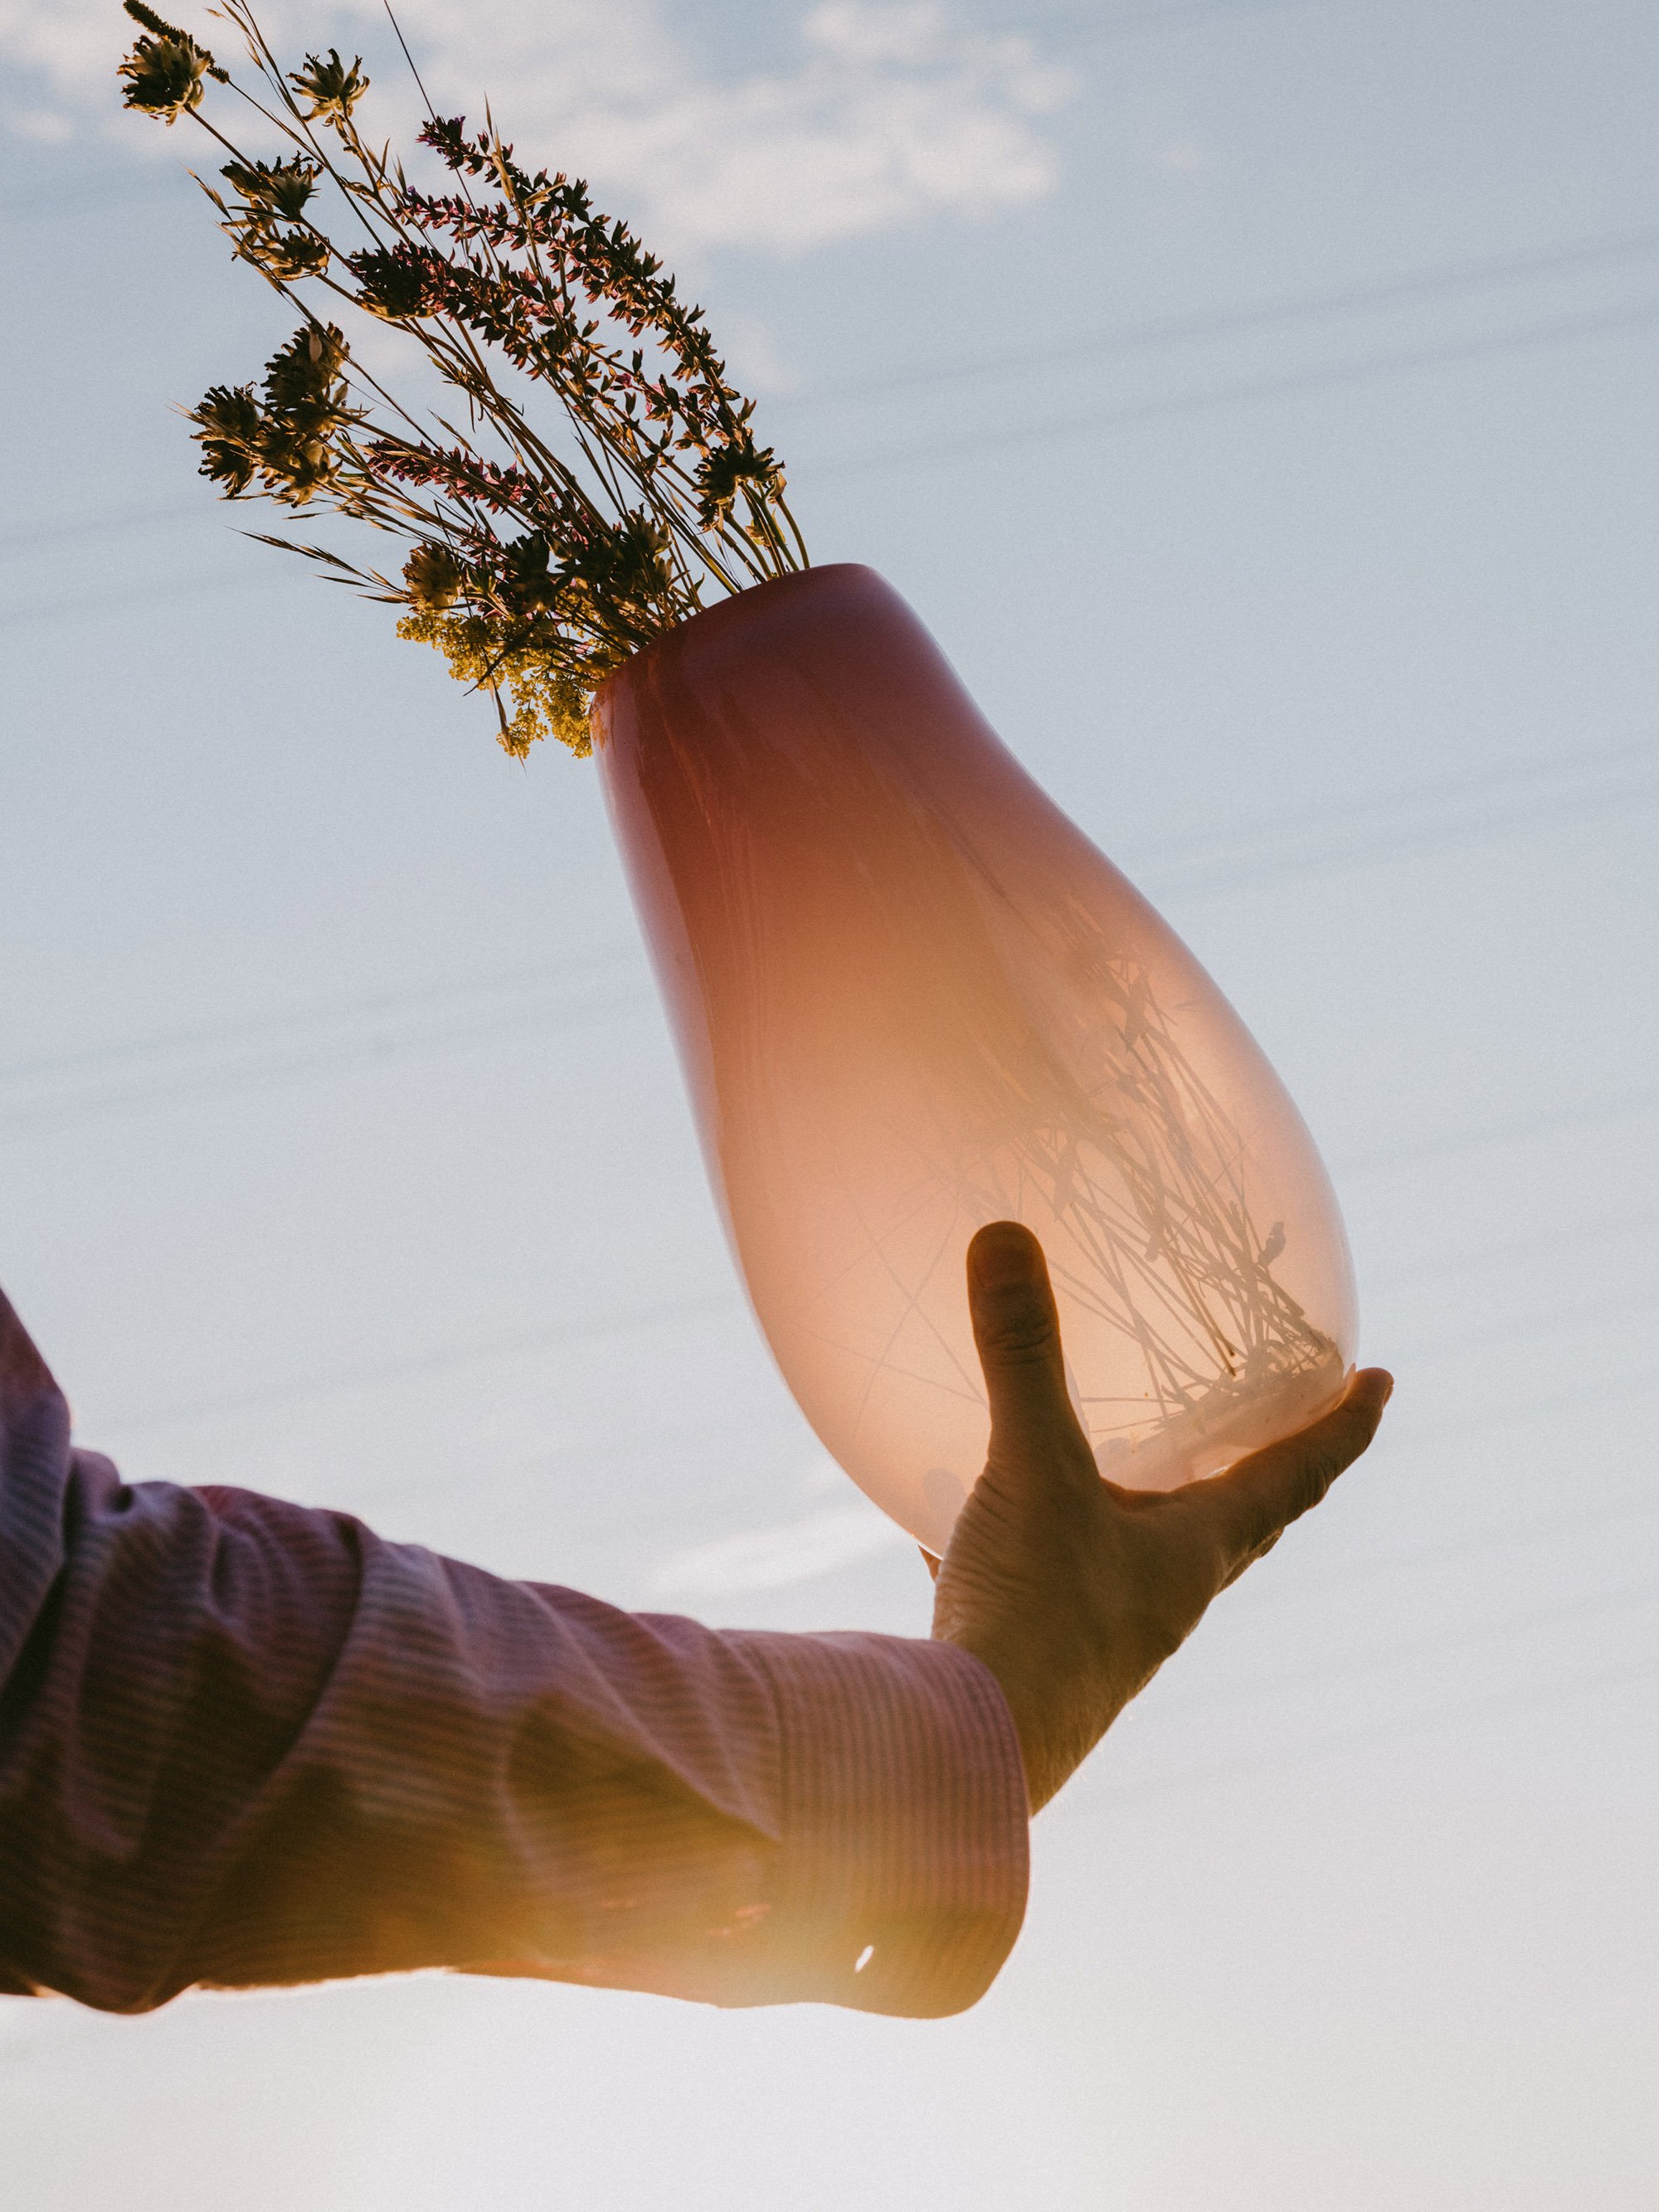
243	1743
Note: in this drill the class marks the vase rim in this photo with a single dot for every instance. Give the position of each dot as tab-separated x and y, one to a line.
736	607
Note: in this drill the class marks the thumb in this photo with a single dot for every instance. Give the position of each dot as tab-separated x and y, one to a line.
1017	1333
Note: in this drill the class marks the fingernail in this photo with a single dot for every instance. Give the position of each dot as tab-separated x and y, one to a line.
1003	1255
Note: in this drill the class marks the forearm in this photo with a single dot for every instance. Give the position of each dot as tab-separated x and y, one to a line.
243	1743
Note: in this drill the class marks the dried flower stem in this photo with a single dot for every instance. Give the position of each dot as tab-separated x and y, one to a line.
535	574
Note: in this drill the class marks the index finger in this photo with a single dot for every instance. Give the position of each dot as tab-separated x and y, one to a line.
1271	1488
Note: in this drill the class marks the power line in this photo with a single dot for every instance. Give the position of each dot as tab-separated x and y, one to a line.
1098	421
1363	1738
1596	1605
1218	398
1247	390
1448	277
1372	1657
1608	1390
89	196
181	588
390	999
1179	330
1156	862
1626	779
1642	752
1519	1326
31	537
1095	24
476	1349
340	1053
296	1388
464	1025
1614	1107
1483	1542
1547	1245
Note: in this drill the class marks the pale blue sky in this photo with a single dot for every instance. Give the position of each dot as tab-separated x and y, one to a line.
1258	405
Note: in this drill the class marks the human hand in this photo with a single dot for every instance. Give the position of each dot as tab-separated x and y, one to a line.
1073	1591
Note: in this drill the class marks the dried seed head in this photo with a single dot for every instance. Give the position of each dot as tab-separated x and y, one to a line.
229	429
434	576
164	77
164	72
399	285
303	376
332	87
281	188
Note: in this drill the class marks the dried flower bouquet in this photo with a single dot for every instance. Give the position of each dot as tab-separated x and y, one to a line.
535	567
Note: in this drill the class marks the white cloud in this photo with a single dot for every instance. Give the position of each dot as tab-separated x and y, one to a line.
889	111
772	1558
74	44
47	126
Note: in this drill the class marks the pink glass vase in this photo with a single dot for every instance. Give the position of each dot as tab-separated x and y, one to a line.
910	998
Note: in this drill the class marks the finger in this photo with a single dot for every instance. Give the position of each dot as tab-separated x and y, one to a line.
1249	1558
1017	1333
1264	1493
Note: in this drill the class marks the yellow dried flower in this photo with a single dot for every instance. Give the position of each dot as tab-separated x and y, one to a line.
547	701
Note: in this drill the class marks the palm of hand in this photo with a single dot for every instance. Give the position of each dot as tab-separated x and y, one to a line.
1072	1591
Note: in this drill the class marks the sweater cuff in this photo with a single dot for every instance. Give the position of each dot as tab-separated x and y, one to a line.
902	1875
